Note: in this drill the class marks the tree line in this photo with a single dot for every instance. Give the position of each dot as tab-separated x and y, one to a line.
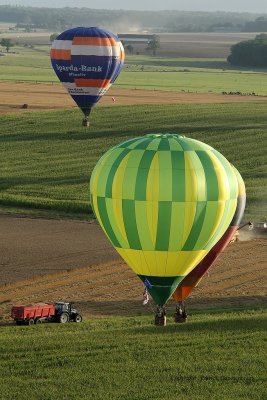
120	20
250	53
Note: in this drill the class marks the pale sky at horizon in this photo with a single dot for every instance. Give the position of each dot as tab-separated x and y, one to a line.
256	6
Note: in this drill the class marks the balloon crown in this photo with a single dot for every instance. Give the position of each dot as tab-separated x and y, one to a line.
164	135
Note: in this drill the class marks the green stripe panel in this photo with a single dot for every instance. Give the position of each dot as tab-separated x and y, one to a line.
129	219
178	176
164	144
165	176
164	225
143	143
142	174
101	204
196	228
113	170
162	287
127	143
211	176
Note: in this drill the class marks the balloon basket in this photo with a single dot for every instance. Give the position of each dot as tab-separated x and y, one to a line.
86	123
160	317
180	315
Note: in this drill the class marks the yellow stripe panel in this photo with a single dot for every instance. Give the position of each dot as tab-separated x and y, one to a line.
241	185
229	217
178	263
189	217
190	179
117	183
218	218
152	187
176	228
223	183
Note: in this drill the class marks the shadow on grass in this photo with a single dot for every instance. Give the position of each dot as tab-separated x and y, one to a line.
201	64
135	307
127	133
8	182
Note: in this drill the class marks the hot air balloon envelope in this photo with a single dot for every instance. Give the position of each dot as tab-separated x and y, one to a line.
163	201
87	61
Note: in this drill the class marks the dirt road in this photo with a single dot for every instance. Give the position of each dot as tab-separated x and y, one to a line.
49	260
38	97
30	247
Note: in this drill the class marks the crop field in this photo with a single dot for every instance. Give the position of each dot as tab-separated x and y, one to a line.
218	355
144	72
47	158
46	161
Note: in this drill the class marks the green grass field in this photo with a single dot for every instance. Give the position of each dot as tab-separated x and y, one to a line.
47	158
216	356
144	72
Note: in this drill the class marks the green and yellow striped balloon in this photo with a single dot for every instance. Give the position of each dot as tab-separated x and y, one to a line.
163	201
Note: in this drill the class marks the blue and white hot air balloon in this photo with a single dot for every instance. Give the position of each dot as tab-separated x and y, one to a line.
87	61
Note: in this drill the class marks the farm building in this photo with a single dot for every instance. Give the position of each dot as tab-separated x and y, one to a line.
137	38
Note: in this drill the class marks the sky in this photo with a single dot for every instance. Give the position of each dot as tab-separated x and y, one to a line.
255	6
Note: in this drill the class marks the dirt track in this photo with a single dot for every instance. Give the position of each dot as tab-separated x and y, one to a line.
48	260
39	97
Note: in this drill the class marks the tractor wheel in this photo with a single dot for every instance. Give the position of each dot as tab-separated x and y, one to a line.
63	318
31	321
38	321
78	318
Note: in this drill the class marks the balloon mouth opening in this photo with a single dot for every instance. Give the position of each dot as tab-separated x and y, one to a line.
165	135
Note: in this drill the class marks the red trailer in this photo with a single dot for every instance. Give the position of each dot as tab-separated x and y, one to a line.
32	313
45	312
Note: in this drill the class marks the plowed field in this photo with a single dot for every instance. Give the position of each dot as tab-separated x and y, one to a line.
49	260
38	97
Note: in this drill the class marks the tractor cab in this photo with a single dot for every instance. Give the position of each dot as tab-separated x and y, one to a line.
64	312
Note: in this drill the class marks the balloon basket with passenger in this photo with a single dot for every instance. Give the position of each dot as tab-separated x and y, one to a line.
180	315
160	316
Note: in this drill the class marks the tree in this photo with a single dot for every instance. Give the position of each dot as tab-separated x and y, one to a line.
152	46
53	36
250	53
129	48
7	43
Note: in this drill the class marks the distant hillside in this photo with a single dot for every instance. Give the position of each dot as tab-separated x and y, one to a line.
131	21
